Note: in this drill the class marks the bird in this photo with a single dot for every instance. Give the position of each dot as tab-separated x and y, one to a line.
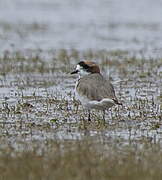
92	89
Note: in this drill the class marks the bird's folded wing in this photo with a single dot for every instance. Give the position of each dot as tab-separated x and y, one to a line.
95	88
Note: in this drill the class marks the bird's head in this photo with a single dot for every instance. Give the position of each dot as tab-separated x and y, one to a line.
86	67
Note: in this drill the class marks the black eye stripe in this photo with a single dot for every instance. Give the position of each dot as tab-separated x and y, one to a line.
85	66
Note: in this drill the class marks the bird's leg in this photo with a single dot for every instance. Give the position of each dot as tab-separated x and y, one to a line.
104	116
89	115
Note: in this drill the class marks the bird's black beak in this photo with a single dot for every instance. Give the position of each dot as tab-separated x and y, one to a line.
75	72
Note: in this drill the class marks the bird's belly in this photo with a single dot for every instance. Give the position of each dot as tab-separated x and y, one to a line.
105	103
101	105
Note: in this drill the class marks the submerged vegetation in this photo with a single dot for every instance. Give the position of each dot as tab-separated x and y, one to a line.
44	131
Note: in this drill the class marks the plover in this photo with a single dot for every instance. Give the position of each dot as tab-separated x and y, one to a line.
92	89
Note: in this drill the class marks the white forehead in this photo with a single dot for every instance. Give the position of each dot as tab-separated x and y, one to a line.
78	67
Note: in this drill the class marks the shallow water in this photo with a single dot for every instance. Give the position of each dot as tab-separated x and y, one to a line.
42	106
